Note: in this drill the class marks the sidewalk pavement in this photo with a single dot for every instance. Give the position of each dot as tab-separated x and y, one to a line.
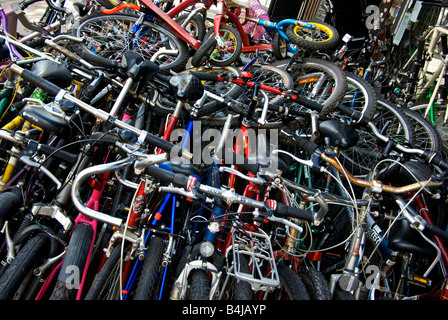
34	12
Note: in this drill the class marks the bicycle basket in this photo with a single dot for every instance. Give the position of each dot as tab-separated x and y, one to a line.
257	249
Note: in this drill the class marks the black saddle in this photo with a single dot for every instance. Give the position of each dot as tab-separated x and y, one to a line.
338	134
53	72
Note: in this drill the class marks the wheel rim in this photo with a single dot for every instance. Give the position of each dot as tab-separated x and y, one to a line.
320	34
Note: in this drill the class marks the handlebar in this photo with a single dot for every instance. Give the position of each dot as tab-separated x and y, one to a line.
59	93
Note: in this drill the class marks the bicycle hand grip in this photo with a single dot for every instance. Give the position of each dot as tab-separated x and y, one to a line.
308	146
283	210
354	114
437	160
162	144
40	82
177	179
239	161
436	231
60	154
310	104
205	76
97	60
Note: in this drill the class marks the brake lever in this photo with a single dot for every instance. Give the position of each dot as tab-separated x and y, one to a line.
257	180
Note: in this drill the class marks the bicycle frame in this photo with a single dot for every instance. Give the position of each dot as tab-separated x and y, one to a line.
165	18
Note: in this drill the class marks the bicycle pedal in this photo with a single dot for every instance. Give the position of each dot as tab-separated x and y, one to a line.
419	281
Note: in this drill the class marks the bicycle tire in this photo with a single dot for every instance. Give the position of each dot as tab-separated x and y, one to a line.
8	202
330	92
105	279
359	96
439	112
237	289
151	266
426	135
279	47
230	50
74	260
324	37
29	256
292	287
362	158
98	37
195	27
315	282
204	52
199	286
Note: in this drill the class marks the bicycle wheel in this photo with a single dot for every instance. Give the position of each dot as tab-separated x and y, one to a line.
315	283
292	287
319	80
30	256
195	27
271	76
426	135
8	202
150	270
360	96
110	35
228	48
366	155
321	36
74	262
105	286
234	288
279	47
436	117
199	286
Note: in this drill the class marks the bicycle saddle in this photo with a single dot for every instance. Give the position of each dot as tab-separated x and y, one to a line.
146	68
338	134
186	87
53	72
405	239
40	117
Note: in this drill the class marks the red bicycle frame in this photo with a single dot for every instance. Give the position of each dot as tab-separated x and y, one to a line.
173	26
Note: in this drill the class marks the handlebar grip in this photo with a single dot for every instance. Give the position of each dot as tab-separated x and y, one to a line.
205	76
436	231
420	48
310	104
97	60
239	161
160	143
177	179
437	160
304	144
244	163
61	154
354	114
40	82
283	210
